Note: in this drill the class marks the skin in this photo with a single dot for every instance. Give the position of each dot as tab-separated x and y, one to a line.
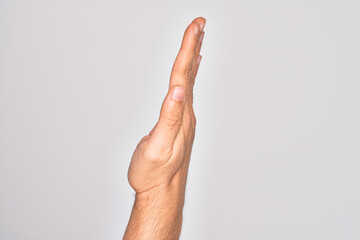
159	165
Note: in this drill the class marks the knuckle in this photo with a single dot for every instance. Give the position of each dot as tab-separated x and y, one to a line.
188	120
150	155
192	117
173	120
185	72
194	120
156	155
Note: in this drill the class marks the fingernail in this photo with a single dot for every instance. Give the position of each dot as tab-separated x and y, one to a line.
199	59
196	29
178	94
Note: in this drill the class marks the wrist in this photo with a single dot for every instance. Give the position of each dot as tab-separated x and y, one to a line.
168	190
157	214
171	195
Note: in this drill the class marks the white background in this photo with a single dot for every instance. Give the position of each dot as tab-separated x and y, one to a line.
277	147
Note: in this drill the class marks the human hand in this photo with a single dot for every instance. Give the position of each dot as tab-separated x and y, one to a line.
159	165
161	158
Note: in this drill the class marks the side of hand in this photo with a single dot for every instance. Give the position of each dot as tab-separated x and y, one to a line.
161	158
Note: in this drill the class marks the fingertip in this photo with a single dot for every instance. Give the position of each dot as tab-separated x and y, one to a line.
201	21
202	25
192	34
196	28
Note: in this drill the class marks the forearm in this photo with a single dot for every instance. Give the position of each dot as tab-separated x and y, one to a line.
157	214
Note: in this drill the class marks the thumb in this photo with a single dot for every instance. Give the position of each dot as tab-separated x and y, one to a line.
169	123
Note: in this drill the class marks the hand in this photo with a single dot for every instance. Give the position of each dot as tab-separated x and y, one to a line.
161	159
159	165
